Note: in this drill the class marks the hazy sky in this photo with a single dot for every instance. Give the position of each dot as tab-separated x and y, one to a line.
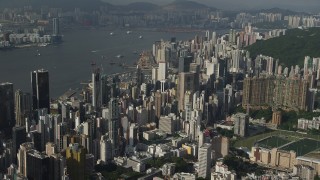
298	5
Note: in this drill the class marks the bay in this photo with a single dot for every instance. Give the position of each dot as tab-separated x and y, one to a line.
69	63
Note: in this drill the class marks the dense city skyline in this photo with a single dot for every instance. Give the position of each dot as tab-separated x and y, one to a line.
225	96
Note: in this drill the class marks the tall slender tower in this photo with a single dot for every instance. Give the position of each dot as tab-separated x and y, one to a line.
114	124
40	89
96	88
6	106
22	107
56	26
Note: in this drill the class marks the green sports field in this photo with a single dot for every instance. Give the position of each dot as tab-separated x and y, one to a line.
291	136
273	141
303	146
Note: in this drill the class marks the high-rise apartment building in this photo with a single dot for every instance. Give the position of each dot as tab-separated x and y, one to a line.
276	117
232	36
204	159
241	122
236	59
288	92
168	123
162	71
220	145
133	134
105	149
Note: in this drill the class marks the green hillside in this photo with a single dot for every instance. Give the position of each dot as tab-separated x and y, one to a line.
291	48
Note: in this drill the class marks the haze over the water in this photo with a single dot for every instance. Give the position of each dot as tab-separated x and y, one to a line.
297	5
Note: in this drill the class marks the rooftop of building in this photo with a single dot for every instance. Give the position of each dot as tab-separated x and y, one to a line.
40	71
37	154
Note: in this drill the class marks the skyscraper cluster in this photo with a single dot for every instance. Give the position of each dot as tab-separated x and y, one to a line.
168	108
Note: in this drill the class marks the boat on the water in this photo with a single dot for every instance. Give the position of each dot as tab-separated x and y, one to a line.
38	53
129	32
119	56
140	37
43	44
112	33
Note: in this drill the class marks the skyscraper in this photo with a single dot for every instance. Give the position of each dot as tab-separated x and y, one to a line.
22	157
220	145
37	165
157	104
235	60
114	124
96	89
105	149
56	26
214	38
187	82
168	123
241	122
204	160
18	137
57	164
232	36
40	89
208	35
6	106
76	157
22	107
162	71
133	134
184	63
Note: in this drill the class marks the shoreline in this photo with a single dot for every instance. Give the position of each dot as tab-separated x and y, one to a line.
23	46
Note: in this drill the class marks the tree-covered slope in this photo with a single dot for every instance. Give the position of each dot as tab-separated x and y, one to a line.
291	48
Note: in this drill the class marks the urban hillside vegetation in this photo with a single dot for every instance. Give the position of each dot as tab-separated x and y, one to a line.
291	48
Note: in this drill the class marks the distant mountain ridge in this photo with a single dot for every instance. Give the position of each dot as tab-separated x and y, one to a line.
141	6
185	5
178	5
64	4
